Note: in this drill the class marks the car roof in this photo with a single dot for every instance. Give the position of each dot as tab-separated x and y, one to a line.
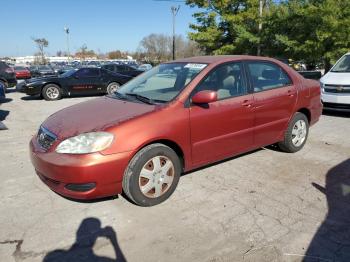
220	59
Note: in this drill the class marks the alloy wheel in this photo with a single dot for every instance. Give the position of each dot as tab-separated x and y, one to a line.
156	176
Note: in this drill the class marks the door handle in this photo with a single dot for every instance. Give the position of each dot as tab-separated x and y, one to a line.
290	93
246	103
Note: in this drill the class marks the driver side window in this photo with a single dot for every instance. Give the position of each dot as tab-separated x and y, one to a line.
88	72
227	80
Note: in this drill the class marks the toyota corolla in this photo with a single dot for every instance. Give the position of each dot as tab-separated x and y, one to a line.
176	117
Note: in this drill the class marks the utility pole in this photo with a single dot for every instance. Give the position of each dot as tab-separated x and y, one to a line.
260	26
174	11
66	30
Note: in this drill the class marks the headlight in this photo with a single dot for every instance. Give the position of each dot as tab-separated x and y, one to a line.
322	87
85	143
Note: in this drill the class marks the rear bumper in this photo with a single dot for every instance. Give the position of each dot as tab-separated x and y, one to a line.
88	176
11	82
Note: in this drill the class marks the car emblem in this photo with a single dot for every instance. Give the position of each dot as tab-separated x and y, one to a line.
42	137
340	88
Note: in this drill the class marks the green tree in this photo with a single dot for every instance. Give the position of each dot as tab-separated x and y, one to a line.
308	30
227	26
313	31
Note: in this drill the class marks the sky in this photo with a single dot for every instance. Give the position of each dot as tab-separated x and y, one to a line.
103	25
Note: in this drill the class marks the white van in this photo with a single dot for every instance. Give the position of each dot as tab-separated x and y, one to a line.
335	86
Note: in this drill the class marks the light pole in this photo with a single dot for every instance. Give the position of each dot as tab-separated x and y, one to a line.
66	30
174	11
260	25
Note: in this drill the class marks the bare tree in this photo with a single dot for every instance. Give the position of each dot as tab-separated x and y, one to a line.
41	43
158	47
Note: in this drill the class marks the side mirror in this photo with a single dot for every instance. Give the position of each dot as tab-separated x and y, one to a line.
205	97
76	76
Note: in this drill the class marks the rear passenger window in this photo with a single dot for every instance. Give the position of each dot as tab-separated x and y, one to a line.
266	76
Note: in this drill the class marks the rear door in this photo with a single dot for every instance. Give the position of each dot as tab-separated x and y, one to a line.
275	97
225	127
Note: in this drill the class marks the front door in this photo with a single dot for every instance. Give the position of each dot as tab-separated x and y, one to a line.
225	127
274	100
85	81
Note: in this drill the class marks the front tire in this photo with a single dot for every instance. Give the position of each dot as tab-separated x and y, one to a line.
152	175
112	88
51	92
296	134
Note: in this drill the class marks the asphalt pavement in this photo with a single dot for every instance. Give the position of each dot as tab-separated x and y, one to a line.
262	206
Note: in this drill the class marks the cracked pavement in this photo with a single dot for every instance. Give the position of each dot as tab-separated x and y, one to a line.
262	206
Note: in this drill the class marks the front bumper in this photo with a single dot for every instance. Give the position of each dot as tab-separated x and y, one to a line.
87	176
29	90
336	102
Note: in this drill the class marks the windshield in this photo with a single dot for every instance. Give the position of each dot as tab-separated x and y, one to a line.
68	73
20	68
343	65
164	82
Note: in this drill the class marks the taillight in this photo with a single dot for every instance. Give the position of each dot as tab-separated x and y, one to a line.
9	70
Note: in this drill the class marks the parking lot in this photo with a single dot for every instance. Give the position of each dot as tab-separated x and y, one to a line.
261	206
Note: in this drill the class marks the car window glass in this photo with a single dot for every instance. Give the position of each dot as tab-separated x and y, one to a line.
227	80
109	67
163	82
88	72
266	76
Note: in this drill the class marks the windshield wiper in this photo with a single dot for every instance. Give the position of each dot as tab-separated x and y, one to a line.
119	96
144	99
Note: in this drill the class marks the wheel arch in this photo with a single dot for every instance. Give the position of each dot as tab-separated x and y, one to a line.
306	112
3	80
173	145
54	83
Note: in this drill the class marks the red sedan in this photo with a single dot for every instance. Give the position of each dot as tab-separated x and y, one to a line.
22	72
176	117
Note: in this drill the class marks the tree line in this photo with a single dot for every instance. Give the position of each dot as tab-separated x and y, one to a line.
313	31
154	49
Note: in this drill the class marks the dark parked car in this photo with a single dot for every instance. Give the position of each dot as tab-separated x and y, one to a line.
123	69
7	75
178	116
2	92
41	70
83	81
22	72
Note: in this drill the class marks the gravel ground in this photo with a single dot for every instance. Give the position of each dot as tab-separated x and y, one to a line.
262	206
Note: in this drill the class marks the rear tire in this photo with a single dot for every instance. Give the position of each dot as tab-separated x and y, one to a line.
296	134
152	175
51	92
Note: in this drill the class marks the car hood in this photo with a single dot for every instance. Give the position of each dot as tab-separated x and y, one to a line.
336	78
94	115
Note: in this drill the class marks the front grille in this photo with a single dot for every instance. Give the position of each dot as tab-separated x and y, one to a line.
45	138
339	89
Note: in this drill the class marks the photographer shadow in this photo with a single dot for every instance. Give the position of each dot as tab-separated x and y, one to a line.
82	250
332	239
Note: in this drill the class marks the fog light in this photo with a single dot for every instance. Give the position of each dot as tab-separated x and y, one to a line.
81	187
